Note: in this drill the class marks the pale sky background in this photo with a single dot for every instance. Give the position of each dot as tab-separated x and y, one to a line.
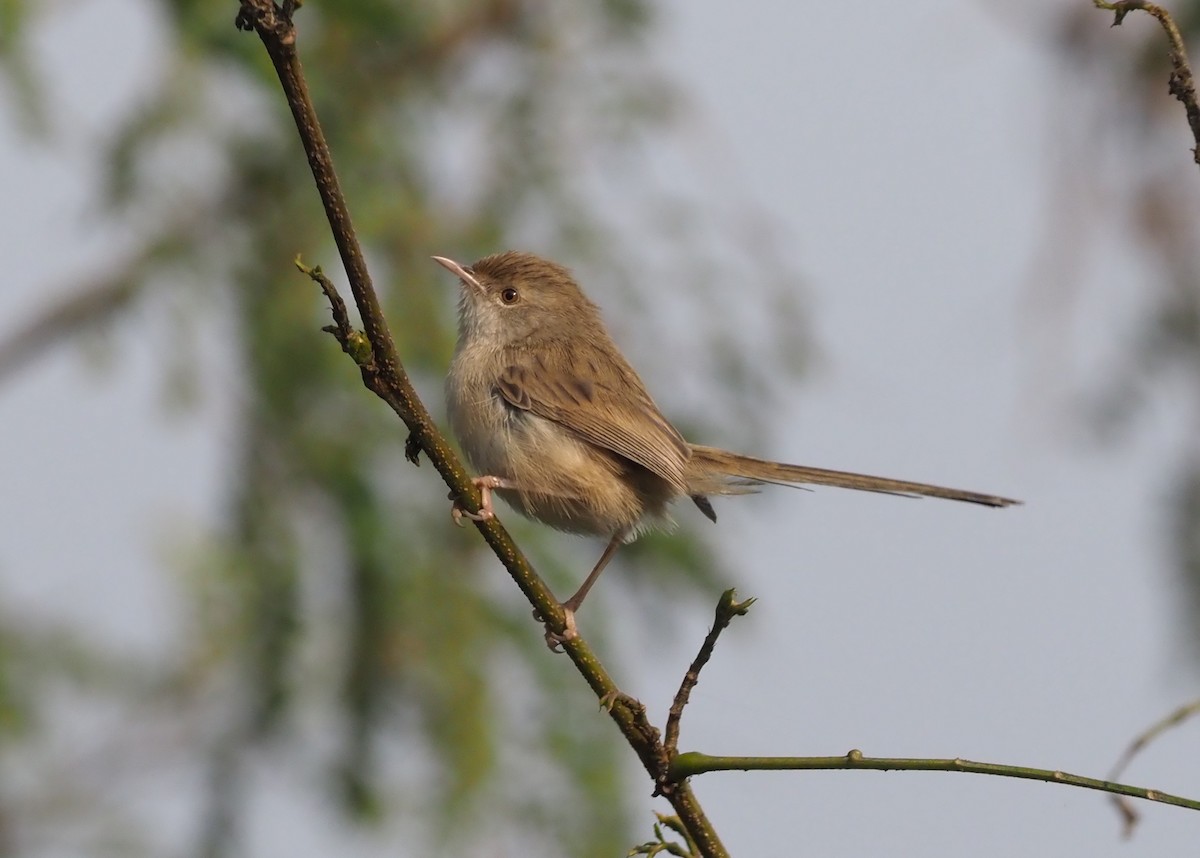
904	152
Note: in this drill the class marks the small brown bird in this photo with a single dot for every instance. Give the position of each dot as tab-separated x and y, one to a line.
560	426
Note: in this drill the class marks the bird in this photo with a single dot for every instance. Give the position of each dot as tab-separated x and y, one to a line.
557	423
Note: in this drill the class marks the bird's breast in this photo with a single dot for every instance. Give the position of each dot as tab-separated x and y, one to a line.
562	480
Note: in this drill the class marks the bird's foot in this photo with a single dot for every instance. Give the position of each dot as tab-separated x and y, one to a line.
555	640
485	485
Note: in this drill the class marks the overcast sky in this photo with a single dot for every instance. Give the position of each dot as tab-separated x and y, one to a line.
902	150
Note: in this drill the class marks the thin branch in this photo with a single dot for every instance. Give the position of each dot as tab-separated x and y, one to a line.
381	370
1181	84
1129	815
694	763
727	609
353	343
661	845
383	373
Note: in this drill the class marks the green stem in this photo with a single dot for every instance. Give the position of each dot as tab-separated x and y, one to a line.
695	763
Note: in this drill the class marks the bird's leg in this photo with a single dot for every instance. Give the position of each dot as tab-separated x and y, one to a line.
554	639
485	485
573	604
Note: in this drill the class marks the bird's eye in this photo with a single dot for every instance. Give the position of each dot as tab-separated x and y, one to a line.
509	296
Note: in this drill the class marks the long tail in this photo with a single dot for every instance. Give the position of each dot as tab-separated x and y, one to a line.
714	471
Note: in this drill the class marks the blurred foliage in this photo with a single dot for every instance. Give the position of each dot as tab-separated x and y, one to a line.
340	628
1126	156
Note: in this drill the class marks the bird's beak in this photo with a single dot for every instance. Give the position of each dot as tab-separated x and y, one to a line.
458	271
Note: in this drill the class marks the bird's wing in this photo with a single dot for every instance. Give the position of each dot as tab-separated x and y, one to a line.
597	395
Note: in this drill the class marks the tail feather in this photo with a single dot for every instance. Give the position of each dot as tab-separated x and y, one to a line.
715	471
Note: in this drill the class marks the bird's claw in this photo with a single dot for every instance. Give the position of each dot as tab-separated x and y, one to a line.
485	485
555	640
458	512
